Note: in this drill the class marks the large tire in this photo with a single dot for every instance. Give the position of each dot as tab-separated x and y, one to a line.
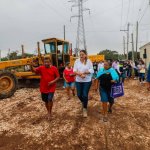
8	84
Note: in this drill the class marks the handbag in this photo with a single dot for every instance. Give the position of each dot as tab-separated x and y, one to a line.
117	90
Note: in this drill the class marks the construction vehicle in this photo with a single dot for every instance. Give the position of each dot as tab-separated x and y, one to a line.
93	58
13	70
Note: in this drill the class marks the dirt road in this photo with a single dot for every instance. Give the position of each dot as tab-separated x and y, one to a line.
23	127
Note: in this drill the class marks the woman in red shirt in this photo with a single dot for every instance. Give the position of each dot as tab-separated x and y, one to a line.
69	78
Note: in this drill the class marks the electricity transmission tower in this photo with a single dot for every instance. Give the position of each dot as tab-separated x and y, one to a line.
80	40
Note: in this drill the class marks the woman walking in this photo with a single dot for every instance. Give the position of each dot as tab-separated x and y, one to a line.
83	68
142	71
107	76
69	78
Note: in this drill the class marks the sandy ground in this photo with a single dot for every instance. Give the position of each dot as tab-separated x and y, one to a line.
23	127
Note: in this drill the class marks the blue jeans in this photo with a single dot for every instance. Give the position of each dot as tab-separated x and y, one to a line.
141	76
83	91
70	84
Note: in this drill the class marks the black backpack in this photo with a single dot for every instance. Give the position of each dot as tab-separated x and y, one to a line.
105	81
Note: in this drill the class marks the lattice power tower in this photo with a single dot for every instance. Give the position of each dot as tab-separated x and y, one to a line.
80	40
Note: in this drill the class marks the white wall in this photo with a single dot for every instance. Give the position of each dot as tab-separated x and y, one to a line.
147	47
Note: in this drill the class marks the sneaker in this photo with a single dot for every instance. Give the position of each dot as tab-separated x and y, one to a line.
85	113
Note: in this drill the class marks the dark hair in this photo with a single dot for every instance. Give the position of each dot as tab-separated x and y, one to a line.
85	52
47	58
142	62
109	62
67	63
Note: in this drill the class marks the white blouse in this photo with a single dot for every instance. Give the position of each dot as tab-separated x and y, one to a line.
80	67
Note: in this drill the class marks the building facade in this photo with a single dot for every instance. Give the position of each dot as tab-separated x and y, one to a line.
145	53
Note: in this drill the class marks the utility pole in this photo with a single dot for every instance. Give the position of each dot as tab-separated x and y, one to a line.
22	48
128	26
128	40
124	49
80	40
132	47
137	32
64	32
0	55
8	54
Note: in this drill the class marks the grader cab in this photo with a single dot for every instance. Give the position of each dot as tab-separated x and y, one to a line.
13	71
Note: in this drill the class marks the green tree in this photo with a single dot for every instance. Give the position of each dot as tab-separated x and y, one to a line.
4	59
12	55
113	55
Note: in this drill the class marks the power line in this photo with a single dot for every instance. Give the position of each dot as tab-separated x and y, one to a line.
121	15
143	14
141	8
128	12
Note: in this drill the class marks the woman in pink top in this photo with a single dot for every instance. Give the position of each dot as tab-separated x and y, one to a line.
69	78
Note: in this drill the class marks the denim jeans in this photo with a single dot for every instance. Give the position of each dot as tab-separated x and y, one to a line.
83	91
141	76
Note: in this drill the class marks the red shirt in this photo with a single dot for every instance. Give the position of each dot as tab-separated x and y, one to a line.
67	74
47	75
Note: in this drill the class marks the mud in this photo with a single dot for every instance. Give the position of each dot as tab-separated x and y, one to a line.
23	125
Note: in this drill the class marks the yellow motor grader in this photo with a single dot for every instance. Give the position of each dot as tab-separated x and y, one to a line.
13	70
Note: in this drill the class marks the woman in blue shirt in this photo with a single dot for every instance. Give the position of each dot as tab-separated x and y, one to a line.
107	76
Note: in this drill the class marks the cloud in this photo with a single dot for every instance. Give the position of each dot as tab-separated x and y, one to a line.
26	22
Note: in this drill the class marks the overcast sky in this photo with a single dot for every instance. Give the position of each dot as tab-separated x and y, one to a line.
28	21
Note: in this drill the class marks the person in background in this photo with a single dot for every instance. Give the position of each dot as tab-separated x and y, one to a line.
136	70
49	77
107	76
148	78
100	65
142	71
115	65
122	70
83	68
69	78
95	67
129	69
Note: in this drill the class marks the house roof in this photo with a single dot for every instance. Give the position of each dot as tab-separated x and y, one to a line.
144	45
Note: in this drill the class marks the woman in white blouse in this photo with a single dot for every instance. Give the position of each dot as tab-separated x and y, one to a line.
83	68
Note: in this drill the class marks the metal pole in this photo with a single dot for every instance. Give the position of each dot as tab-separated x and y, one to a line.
9	54
124	47
23	54
128	40
64	32
38	48
0	55
132	48
137	30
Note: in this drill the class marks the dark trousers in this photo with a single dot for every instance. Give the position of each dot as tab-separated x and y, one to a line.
83	91
129	73
136	72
